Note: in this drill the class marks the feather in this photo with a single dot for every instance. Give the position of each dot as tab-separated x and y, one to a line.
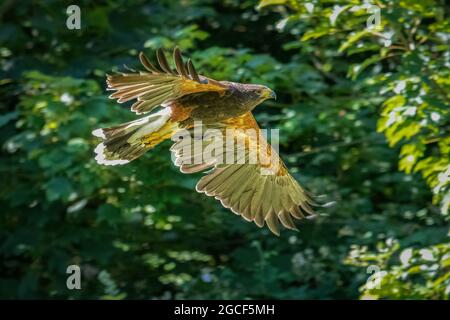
155	92
147	64
286	220
163	61
193	72
272	222
296	212
224	178
179	63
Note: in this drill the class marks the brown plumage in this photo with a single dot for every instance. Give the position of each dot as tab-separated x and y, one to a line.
255	184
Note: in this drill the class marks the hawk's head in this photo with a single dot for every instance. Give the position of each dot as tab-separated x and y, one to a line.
258	93
267	93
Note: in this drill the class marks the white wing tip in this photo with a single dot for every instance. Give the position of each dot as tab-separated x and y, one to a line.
100	157
99	133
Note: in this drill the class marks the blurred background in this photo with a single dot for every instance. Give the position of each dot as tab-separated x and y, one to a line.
363	109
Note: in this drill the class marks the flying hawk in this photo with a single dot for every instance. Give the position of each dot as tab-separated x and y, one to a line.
260	191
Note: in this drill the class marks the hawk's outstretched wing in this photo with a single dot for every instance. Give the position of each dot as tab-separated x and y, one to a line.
157	86
256	184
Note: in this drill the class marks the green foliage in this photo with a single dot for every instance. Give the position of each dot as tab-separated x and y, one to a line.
403	60
421	274
141	231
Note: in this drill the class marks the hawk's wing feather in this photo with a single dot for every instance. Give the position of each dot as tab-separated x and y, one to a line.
271	196
157	86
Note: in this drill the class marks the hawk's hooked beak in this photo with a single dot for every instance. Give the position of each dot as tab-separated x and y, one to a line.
273	95
269	94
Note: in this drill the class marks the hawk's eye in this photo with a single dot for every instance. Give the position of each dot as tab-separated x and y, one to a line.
262	91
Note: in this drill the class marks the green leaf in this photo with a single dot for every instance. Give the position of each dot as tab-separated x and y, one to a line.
353	39
7	117
266	3
58	188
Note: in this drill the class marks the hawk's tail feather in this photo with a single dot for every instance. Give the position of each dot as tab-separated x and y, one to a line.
128	141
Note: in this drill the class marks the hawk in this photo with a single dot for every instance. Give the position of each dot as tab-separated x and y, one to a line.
260	191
